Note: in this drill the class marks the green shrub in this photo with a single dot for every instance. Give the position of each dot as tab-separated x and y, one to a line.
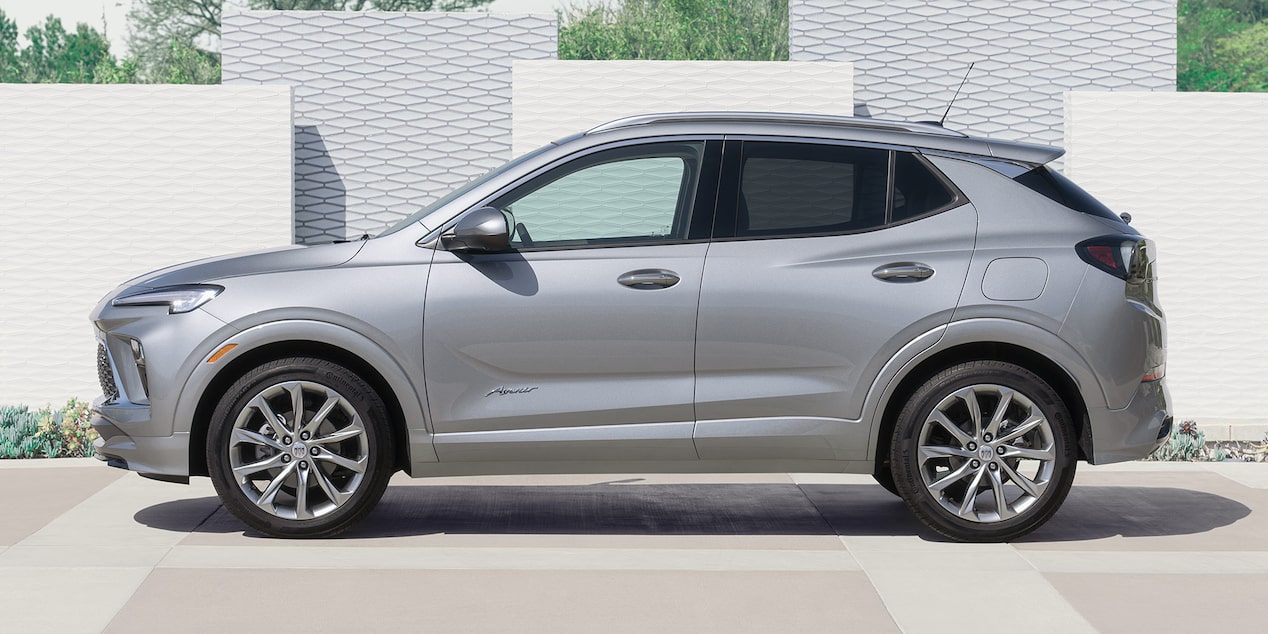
47	433
754	30
1187	443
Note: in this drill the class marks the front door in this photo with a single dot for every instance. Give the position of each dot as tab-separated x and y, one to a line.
578	342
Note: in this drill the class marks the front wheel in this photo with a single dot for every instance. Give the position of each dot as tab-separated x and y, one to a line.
984	451
300	447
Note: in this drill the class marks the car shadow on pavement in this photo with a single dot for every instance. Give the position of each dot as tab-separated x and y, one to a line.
1090	512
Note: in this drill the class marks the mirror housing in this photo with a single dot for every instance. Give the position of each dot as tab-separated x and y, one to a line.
483	230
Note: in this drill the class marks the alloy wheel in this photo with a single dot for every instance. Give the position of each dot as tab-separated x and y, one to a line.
298	450
987	453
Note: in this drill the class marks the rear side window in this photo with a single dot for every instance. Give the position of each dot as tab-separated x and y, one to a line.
1063	190
795	189
917	190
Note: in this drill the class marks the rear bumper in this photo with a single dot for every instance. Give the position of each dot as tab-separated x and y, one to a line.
161	457
1135	431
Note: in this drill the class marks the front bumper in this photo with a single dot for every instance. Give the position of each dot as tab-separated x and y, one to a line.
1135	431
159	457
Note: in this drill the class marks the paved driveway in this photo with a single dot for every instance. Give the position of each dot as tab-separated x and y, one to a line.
1137	547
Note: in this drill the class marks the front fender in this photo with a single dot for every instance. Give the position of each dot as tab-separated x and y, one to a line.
411	399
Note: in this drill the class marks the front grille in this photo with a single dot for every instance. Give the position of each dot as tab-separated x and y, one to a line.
105	375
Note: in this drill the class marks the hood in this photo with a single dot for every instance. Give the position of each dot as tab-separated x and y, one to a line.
292	258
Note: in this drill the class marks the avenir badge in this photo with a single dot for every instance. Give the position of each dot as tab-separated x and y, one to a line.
502	390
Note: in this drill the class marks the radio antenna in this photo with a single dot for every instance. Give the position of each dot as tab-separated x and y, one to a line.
956	95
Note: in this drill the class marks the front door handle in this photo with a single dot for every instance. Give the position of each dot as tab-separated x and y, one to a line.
649	279
902	272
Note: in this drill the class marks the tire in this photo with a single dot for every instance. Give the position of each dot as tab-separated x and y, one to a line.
342	451
952	471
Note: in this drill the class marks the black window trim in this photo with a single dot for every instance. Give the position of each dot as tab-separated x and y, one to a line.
725	220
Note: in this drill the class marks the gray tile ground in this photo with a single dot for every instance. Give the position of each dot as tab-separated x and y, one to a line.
631	553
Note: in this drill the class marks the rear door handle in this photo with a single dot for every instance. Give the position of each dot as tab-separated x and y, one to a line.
649	279
902	272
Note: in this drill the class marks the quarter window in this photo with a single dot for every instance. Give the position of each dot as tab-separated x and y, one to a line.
795	189
917	191
625	195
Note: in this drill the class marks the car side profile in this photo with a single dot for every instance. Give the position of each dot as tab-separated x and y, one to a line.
683	292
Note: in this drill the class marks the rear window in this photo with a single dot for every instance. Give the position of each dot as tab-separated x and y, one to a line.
789	189
1062	190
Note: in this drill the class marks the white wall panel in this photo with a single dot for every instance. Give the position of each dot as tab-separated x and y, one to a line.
1190	168
99	184
911	55
553	99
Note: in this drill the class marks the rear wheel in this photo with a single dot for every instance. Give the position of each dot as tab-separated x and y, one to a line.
300	447
984	451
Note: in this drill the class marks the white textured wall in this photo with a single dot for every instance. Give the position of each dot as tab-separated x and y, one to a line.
1192	169
553	99
99	184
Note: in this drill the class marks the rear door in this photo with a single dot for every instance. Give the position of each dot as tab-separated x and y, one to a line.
820	270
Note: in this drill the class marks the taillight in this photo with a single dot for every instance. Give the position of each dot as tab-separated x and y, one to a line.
1122	256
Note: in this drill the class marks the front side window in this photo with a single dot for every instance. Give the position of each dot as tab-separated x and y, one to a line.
802	189
626	195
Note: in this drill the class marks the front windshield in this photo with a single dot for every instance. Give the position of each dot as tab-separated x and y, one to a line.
455	194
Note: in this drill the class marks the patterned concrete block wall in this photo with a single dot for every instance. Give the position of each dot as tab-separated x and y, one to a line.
392	110
552	99
1189	167
100	184
910	55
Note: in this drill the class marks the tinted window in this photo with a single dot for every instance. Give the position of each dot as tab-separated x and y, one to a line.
1061	189
917	190
625	195
796	189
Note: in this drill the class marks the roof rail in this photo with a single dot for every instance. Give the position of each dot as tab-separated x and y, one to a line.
774	117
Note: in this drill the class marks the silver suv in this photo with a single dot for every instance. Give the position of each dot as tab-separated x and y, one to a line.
718	292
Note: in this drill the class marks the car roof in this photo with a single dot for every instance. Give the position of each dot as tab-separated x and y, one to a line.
922	135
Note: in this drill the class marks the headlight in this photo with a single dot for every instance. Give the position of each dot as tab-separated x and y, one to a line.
178	299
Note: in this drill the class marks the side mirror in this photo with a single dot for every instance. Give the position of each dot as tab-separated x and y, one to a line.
484	229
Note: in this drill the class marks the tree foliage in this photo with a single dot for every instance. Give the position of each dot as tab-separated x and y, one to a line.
367	5
676	29
1222	45
53	55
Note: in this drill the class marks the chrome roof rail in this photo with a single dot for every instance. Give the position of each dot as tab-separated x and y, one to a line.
775	117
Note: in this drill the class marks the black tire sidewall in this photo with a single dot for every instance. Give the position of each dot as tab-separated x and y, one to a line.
905	467
369	406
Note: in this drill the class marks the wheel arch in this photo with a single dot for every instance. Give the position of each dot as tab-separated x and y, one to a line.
1066	386
262	344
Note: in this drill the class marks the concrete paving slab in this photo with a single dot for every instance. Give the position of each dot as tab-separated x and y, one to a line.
440	558
52	463
1249	474
1163	511
415	515
508	601
44	494
105	527
65	600
1148	562
972	600
581	553
1131	603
